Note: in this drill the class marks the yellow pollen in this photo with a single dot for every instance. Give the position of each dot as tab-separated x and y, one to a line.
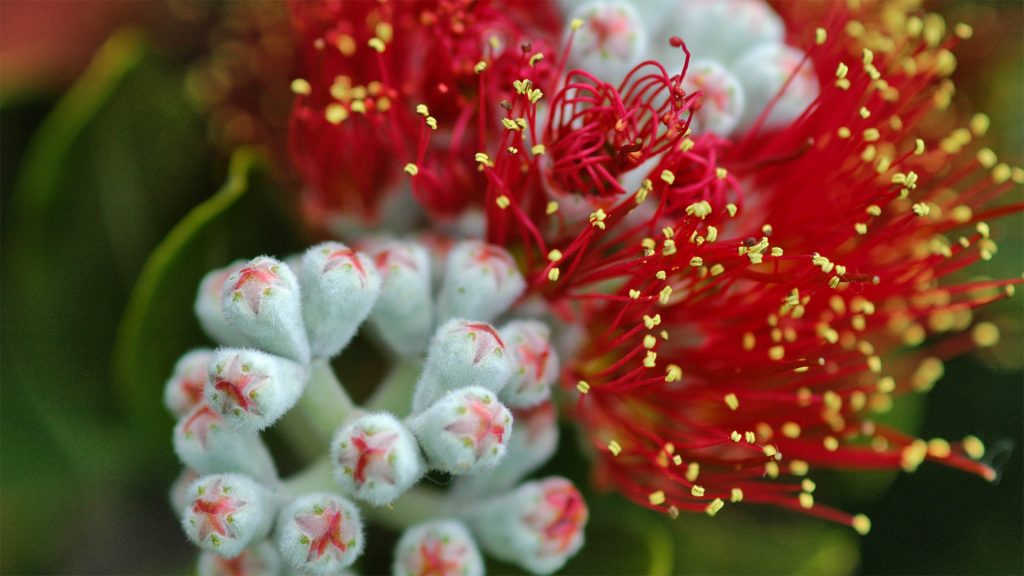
597	219
871	135
697	491
502	201
985	334
717	269
346	45
830	443
677	460
555	255
806	501
537	150
715	505
864	112
987	158
411	169
771	469
614	448
721	173
335	113
918	147
862	524
974	447
301	86
791	430
842	70
576	23
649	341
656	498
692	471
736	436
1001	173
431	122
551	208
770	451
736	495
820	36
732	401
798	467
963	31
553	274
939	448
696	261
583	387
777	352
668	177
664	295
913	455
660	275
480	67
983	229
384	31
650	358
652	321
634	294
860	228
376	43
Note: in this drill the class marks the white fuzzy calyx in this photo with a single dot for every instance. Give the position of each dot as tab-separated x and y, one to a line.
209	306
339	288
481	281
462	353
376	459
722	102
251	389
185	388
257	560
206	443
464	432
437	547
403	316
263	302
534	363
763	72
320	533
226	512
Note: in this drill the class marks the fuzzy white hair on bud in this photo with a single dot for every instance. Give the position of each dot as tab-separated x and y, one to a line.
611	40
721	30
320	533
425	548
259	560
376	459
226	512
185	388
464	432
481	281
339	288
178	492
534	363
263	302
763	72
403	315
538	526
205	442
209	306
462	353
251	389
722	101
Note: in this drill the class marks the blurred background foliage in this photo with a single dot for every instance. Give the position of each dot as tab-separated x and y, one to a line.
119	191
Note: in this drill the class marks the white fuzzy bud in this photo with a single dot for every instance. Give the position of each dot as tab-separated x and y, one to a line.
722	101
209	306
403	315
179	489
376	459
259	560
184	389
263	302
339	287
481	281
720	30
538	526
533	444
763	72
611	41
442	547
462	353
534	363
320	533
464	432
226	512
251	389
205	442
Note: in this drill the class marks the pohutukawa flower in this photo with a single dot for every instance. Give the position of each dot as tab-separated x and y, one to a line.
463	353
464	432
441	547
226	512
259	560
481	281
320	533
534	363
538	526
262	301
339	287
376	459
184	389
208	444
404	313
251	389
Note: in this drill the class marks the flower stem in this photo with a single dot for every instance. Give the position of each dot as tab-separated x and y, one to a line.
394	394
325	404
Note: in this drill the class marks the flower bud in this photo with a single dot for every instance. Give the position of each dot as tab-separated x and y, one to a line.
481	281
262	301
611	40
339	288
442	547
462	353
226	512
763	72
205	442
259	560
209	306
534	363
720	30
403	315
252	389
376	459
320	533
538	526
184	389
179	489
464	432
532	445
722	99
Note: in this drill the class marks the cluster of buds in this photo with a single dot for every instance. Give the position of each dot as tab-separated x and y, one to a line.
459	386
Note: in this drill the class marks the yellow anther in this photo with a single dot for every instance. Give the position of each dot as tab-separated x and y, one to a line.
335	113
985	334
301	86
750	437
860	228
664	295
536	58
974	447
699	209
1001	173
983	229
913	455
696	261
650	359
791	430
480	67
553	274
806	501
843	132
921	209
384	31
656	498
346	45
411	169
669	247
677	460
987	158
583	386
798	467
692	471
770	451
422	110
871	135
673	373
864	112
830	443
668	177
551	208
714	507
555	255
820	36
842	70
652	321
939	448
771	469
614	448
537	149
358	107
776	251
686	145
660	275
732	401
597	218
862	524
376	43
697	491
918	146
650	341
721	173
777	352
736	436
503	201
